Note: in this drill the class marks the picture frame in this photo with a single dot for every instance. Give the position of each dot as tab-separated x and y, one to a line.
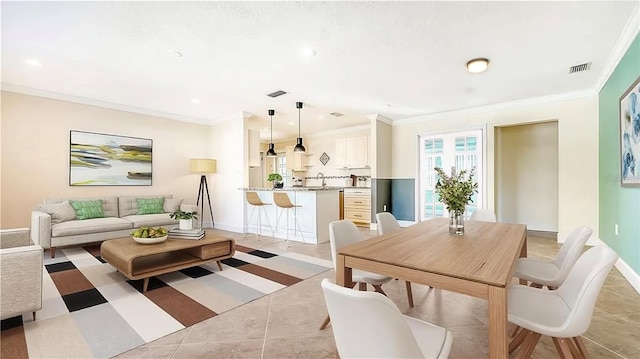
629	118
98	159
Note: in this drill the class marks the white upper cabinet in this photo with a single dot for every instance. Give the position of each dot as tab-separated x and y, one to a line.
254	148
352	152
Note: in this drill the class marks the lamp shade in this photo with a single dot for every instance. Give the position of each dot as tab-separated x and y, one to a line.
202	165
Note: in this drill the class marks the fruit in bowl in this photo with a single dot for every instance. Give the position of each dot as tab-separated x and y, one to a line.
150	235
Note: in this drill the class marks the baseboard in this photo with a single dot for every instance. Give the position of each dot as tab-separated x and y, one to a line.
628	273
226	227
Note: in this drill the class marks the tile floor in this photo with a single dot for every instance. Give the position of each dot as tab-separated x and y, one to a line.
285	324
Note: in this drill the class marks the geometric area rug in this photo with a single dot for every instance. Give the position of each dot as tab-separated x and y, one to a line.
89	310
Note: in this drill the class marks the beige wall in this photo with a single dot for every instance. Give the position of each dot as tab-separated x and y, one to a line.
380	153
577	145
527	175
35	152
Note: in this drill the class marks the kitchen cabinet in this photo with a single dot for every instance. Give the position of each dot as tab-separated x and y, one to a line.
297	161
352	152
357	206
254	148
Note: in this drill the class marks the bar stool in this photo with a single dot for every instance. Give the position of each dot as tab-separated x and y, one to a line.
282	200
254	200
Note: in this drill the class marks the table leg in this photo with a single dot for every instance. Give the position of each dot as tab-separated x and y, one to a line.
523	254
343	274
145	285
498	323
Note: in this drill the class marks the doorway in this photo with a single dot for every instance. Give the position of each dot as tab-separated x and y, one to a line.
526	186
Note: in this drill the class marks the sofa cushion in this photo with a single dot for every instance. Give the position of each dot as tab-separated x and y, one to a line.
59	212
128	205
88	209
150	205
109	204
151	220
94	225
171	205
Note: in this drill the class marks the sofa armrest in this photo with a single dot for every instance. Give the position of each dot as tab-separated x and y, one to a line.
41	229
17	237
20	280
189	208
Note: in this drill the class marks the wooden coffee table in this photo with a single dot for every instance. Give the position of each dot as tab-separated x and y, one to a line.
142	261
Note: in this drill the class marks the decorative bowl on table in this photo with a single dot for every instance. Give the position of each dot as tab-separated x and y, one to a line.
151	240
150	235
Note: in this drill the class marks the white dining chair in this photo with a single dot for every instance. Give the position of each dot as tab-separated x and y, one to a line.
552	273
369	325
387	224
483	215
563	314
342	233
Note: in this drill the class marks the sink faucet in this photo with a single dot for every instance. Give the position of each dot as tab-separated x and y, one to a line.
318	176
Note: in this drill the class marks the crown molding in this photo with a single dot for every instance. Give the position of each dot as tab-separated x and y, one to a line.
379	117
87	101
497	107
631	30
340	131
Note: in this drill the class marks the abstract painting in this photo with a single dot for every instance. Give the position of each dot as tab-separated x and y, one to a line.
630	136
97	159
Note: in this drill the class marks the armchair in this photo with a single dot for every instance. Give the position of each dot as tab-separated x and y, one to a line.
20	273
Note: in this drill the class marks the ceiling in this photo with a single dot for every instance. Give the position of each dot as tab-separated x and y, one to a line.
397	59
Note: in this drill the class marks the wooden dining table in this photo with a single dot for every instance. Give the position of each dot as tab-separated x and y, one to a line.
479	263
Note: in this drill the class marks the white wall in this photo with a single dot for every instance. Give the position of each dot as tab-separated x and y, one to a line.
527	175
577	145
35	152
228	145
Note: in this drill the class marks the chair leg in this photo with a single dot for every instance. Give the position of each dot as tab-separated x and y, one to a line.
362	287
326	322
528	345
518	339
565	350
581	347
575	353
514	330
535	285
219	265
378	289
557	345
409	293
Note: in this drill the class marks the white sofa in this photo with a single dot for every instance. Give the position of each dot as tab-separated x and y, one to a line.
52	227
20	274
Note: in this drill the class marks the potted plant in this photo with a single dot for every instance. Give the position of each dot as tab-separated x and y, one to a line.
185	218
276	180
455	192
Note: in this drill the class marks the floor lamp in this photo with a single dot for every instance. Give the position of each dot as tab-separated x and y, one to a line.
203	166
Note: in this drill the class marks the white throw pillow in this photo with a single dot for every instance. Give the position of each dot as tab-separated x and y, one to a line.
59	212
170	205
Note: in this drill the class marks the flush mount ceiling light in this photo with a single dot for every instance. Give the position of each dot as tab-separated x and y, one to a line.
195	100
299	147
477	65
271	152
308	52
174	53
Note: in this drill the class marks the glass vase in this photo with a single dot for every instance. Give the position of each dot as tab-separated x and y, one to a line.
456	223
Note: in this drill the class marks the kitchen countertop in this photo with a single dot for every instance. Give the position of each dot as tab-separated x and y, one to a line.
305	188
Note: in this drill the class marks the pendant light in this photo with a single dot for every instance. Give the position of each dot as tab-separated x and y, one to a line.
271	152
299	147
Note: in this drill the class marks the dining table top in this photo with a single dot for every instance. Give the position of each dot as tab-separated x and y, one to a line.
484	254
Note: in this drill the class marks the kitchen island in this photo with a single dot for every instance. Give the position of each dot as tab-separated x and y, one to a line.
319	207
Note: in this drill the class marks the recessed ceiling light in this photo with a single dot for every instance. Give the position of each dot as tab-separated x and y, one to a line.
33	62
292	123
195	100
477	65
174	53
321	117
309	52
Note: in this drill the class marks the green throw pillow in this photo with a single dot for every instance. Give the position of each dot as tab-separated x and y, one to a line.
150	205
88	209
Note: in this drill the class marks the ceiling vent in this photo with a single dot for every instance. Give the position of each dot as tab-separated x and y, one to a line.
336	114
276	93
580	68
